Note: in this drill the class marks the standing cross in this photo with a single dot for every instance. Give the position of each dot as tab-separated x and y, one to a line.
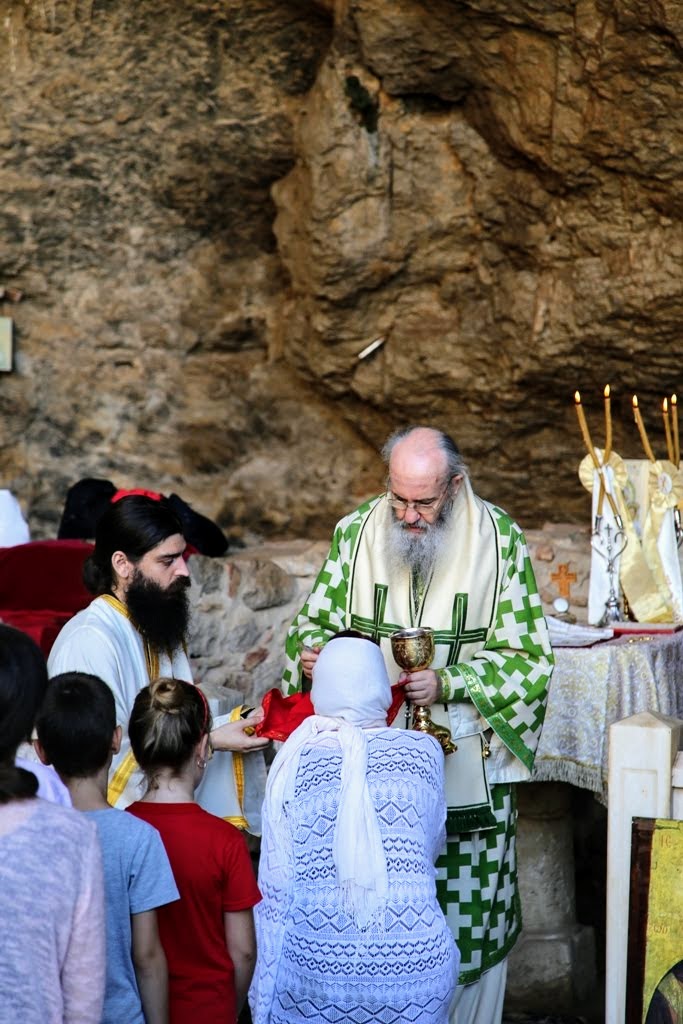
564	579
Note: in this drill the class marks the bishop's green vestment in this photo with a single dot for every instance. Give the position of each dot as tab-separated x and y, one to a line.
494	660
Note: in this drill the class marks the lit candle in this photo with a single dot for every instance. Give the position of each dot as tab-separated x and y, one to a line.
584	429
608	427
667	431
676	439
641	430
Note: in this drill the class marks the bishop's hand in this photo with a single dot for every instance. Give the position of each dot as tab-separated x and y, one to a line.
422	687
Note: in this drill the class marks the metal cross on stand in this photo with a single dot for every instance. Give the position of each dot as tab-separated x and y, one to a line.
612	612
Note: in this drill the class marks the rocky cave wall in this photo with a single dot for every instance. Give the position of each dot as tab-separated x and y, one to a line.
209	209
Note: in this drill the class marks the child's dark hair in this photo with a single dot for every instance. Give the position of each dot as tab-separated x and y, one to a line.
353	634
76	723
168	720
23	680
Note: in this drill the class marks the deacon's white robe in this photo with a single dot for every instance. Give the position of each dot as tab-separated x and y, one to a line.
102	641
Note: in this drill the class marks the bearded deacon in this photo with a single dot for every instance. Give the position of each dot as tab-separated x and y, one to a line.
430	552
135	631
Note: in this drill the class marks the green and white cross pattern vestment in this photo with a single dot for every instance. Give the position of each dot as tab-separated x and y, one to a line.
495	659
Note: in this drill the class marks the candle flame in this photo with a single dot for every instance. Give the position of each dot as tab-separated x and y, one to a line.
577	398
606	391
635	401
665	405
673	400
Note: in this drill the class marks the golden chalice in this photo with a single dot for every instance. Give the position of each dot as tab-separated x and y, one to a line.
413	650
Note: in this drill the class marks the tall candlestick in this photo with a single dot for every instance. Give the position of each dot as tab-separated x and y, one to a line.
594	457
608	427
601	497
584	429
641	430
667	431
676	439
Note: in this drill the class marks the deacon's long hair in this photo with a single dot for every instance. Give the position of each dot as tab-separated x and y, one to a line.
134	525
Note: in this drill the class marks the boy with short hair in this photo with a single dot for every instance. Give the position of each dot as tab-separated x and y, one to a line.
77	733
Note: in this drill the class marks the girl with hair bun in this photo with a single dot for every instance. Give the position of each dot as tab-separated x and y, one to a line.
207	935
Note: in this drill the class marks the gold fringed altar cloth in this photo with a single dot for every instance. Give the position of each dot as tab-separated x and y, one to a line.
591	688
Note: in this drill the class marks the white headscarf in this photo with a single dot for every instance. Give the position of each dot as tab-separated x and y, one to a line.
351	692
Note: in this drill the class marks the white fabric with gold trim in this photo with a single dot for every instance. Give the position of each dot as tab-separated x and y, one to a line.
665	486
615	477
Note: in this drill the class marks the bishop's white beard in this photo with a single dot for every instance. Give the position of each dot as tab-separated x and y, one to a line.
418	552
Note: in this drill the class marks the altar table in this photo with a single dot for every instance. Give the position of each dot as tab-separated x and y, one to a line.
554	962
591	688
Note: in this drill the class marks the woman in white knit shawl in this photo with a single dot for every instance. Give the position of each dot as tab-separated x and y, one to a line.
349	927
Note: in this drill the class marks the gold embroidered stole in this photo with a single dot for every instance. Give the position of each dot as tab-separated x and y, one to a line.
459	603
459	600
121	776
123	773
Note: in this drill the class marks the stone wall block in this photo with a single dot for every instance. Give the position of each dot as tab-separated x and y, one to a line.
243	608
254	658
267	586
209	574
553	962
544	854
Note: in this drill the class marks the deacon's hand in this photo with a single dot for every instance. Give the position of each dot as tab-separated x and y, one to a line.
238	736
309	656
423	687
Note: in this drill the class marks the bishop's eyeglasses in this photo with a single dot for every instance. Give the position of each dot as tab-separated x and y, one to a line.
421	507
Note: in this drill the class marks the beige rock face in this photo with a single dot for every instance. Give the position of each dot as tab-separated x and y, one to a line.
212	208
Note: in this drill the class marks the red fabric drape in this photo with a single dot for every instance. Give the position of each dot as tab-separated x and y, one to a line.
41	587
285	714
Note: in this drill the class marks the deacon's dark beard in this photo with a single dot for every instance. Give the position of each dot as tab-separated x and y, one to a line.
161	616
418	552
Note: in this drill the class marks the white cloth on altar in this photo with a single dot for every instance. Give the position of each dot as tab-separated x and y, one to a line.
102	641
648	526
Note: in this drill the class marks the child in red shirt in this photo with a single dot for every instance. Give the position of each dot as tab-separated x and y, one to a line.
207	935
